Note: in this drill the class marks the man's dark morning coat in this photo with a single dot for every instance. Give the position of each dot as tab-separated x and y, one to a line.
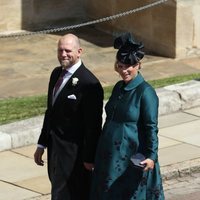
73	123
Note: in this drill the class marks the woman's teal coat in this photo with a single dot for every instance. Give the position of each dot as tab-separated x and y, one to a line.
130	127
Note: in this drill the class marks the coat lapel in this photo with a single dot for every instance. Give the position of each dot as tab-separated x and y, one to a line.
68	85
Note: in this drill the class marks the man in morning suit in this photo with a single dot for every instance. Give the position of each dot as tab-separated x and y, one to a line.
72	124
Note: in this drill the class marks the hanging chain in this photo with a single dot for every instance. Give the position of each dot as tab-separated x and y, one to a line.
105	19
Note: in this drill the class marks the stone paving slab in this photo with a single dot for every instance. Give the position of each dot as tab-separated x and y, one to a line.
187	132
177	118
167	142
12	192
21	176
39	184
178	153
43	197
26	168
28	151
166	67
193	111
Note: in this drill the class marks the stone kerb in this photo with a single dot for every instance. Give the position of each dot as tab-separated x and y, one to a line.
169	101
5	141
172	98
189	93
21	133
179	97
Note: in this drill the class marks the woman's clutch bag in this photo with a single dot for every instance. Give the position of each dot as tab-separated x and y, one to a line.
136	159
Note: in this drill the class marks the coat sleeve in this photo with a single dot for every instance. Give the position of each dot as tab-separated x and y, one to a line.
43	138
149	112
44	135
92	108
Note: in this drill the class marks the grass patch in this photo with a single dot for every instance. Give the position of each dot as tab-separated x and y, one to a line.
21	108
14	109
174	80
160	82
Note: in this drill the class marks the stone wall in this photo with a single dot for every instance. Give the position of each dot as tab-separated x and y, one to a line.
171	29
19	15
187	27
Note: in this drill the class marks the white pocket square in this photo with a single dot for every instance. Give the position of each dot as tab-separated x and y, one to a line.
72	96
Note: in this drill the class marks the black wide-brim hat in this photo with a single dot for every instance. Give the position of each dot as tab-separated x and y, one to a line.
129	50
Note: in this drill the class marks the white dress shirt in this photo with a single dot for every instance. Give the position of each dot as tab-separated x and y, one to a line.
67	76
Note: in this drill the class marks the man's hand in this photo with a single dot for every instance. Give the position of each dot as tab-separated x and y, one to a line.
38	156
89	166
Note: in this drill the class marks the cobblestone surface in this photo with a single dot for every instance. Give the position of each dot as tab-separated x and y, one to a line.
183	188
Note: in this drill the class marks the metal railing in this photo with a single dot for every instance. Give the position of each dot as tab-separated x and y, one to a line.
104	19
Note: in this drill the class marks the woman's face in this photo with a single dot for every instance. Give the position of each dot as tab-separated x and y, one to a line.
127	72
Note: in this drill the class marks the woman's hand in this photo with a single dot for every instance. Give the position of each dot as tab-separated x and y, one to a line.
149	164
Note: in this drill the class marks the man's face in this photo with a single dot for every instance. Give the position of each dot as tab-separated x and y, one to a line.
68	52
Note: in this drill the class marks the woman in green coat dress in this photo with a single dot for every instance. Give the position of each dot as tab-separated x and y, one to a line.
130	128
